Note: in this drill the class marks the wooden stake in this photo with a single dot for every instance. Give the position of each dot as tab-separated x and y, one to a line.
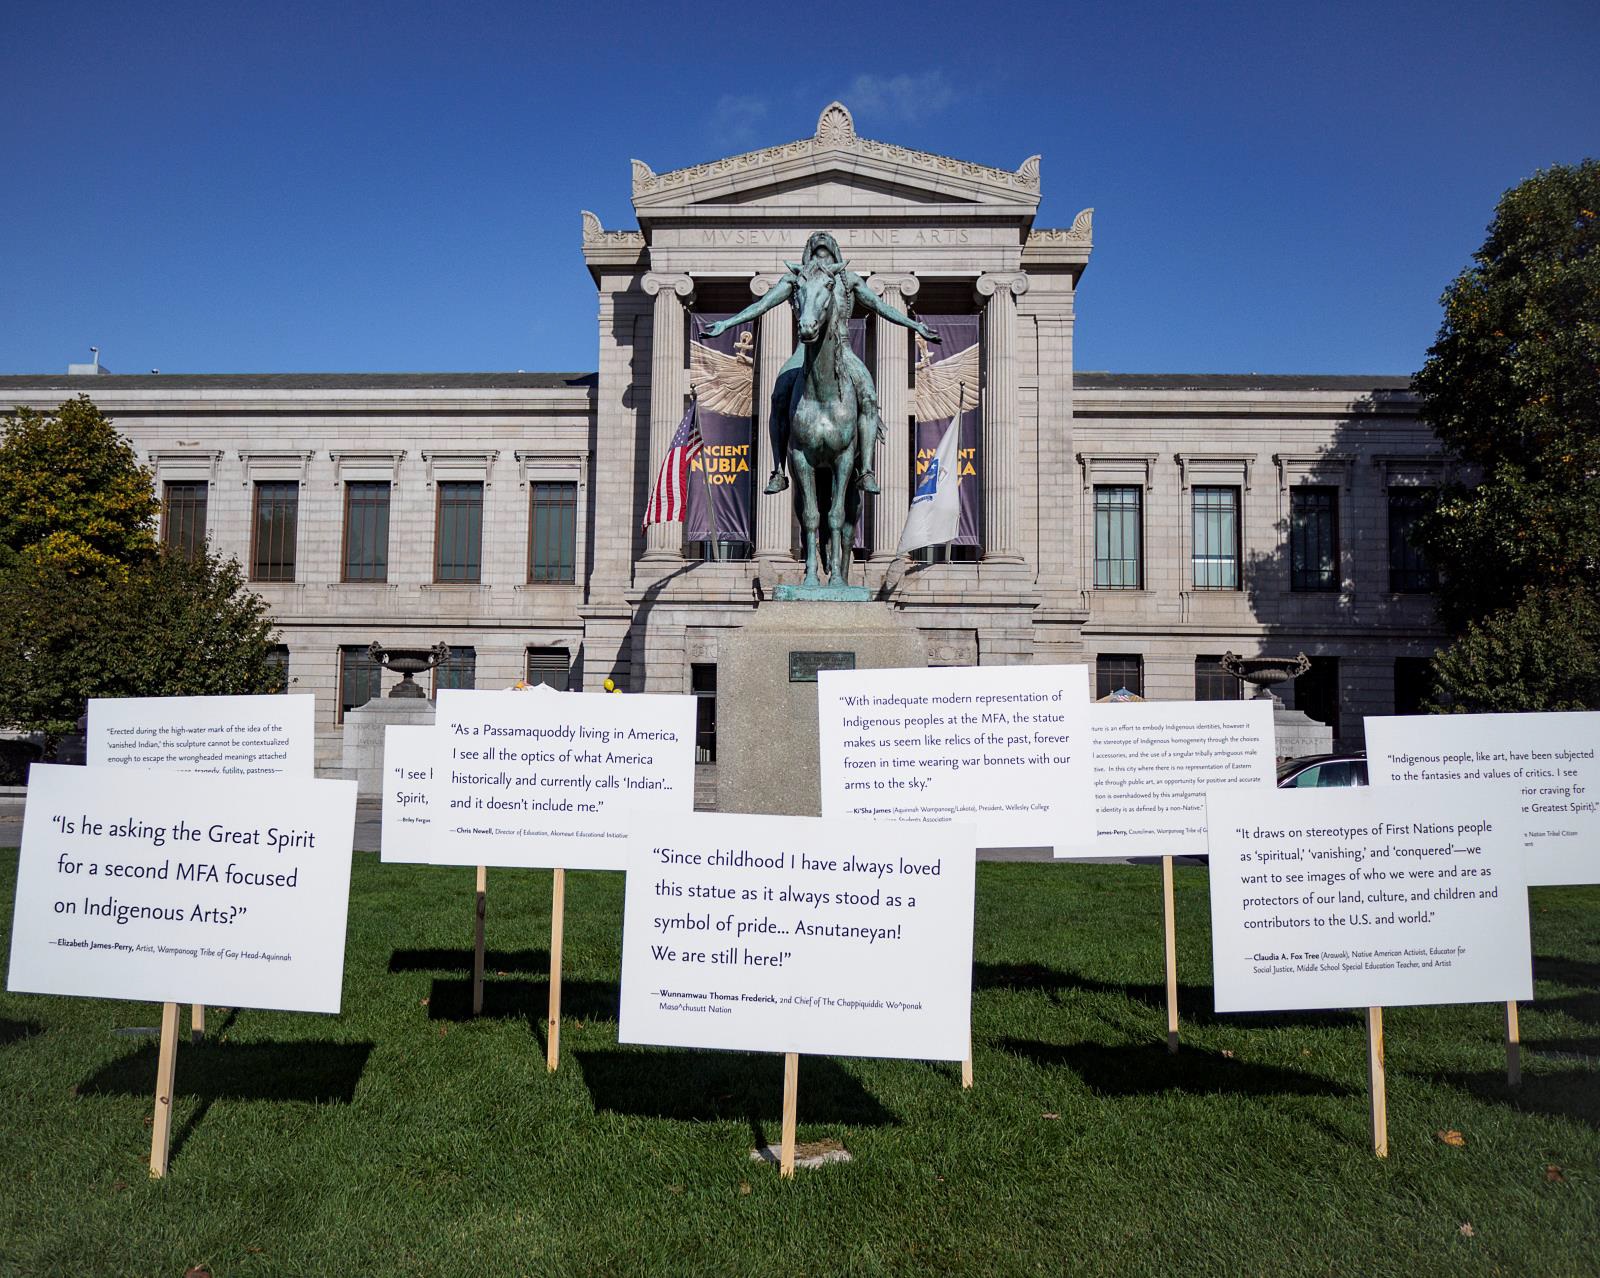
1375	1083
166	1069
558	911
1513	1046
966	1071
1169	926
197	1022
791	1105
477	940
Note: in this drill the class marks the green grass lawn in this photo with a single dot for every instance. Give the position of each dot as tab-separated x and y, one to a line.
405	1137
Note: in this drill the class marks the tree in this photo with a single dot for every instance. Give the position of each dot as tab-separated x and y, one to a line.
169	626
72	491
1512	386
90	605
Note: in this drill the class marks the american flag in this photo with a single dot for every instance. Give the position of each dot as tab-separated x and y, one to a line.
669	499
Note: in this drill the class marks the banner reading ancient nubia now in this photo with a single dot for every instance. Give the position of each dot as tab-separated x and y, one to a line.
947	374
722	372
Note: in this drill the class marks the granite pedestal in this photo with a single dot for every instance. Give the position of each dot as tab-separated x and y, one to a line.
363	737
767	721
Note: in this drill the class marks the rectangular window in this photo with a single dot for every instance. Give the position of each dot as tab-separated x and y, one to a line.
277	516
366	531
459	554
1118	534
1118	672
1413	684
552	532
1317	692
1313	538
550	666
278	660
1409	569
703	683
1213	683
1216	538
183	517
458	670
360	678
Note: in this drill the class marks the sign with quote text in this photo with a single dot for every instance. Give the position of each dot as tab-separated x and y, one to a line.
1550	759
407	775
1367	896
159	885
1003	748
232	736
554	780
1154	761
793	934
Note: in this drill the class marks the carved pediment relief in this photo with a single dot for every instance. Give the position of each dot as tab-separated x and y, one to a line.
838	159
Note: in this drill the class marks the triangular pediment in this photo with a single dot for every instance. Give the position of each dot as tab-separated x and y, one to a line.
835	166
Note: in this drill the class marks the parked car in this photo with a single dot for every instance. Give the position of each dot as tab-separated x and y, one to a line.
1323	770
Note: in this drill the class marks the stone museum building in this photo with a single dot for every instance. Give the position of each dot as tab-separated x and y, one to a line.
1142	524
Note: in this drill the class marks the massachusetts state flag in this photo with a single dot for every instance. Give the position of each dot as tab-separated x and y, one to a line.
669	499
935	515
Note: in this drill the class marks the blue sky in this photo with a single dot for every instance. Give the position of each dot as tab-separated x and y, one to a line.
364	187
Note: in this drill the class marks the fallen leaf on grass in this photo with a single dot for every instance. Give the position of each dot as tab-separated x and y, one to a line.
744	1188
674	1189
197	1271
1466	1230
1452	1138
1305	1051
256	1251
1553	1174
1228	1052
443	1030
1050	1115
424	1002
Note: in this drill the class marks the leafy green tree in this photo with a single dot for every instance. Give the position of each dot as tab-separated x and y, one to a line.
72	491
1541	654
1512	386
90	605
169	626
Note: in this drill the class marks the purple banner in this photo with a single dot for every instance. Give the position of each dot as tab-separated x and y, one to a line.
947	376
722	372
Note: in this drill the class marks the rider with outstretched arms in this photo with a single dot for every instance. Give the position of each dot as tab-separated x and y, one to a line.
823	249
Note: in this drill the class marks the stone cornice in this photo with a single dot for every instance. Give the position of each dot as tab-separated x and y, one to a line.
836	134
1081	232
594	233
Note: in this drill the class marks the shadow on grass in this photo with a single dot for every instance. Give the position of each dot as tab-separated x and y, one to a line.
1140	1070
706	1086
460	960
212	1070
1581	1007
1585	1048
1565	971
15	1031
1567	1093
512	998
295	1071
1195	1002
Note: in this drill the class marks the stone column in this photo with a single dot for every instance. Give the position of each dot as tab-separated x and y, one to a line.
893	464
999	293
775	513
669	383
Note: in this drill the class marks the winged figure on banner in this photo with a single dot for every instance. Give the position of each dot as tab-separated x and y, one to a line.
724	383
945	387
